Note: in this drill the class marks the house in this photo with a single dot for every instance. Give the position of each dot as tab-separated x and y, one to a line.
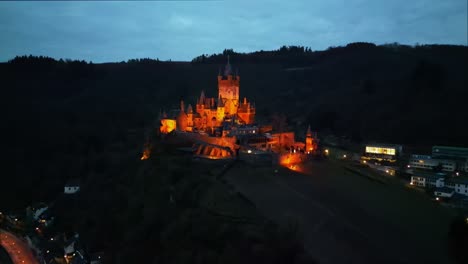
37	210
459	184
428	179
72	186
444	192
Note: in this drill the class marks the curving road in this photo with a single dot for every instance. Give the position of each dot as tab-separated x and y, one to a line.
18	250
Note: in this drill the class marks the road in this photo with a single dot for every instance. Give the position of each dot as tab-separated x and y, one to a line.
18	250
345	218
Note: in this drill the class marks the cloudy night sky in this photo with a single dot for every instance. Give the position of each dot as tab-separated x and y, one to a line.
181	30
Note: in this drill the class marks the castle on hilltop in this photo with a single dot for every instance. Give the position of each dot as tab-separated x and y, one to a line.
211	115
224	126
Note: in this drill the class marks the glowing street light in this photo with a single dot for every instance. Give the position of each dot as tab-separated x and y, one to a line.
457	173
408	166
437	198
344	156
249	151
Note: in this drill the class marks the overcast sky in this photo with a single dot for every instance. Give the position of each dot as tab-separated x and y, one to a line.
181	30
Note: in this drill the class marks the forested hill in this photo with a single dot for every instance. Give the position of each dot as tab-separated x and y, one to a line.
87	118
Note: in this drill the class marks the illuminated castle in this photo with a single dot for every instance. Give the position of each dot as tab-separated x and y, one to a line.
213	113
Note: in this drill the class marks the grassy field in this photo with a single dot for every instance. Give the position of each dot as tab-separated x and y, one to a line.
397	222
424	221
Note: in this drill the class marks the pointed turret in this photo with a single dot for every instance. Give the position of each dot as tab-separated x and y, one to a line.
309	144
202	98
182	106
227	69
189	109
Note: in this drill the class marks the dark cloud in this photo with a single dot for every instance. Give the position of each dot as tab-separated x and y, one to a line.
105	31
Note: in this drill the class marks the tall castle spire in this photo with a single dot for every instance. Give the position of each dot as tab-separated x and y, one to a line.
309	132
227	69
202	97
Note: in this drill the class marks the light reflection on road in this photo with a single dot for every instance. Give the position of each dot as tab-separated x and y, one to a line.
18	251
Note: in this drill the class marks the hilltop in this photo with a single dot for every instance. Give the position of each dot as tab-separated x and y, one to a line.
69	118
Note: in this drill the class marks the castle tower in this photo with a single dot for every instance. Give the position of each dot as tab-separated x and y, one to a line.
220	110
228	87
189	118
309	144
182	118
201	103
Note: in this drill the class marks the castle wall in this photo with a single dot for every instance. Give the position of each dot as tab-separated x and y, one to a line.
167	125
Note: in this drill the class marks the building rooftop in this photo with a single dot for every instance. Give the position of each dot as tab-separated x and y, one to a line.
450	148
444	190
428	174
462	180
382	145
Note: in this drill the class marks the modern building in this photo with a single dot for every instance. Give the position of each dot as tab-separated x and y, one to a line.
382	152
428	179
450	159
437	180
459	184
72	186
444	192
452	152
429	163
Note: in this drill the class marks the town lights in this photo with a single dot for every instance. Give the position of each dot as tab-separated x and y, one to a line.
249	151
437	198
344	156
411	183
457	173
408	166
364	161
326	151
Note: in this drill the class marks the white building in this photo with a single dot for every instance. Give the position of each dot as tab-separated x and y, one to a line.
428	179
72	186
460	185
444	192
428	163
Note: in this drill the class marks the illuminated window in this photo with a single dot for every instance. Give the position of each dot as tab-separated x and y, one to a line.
377	150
